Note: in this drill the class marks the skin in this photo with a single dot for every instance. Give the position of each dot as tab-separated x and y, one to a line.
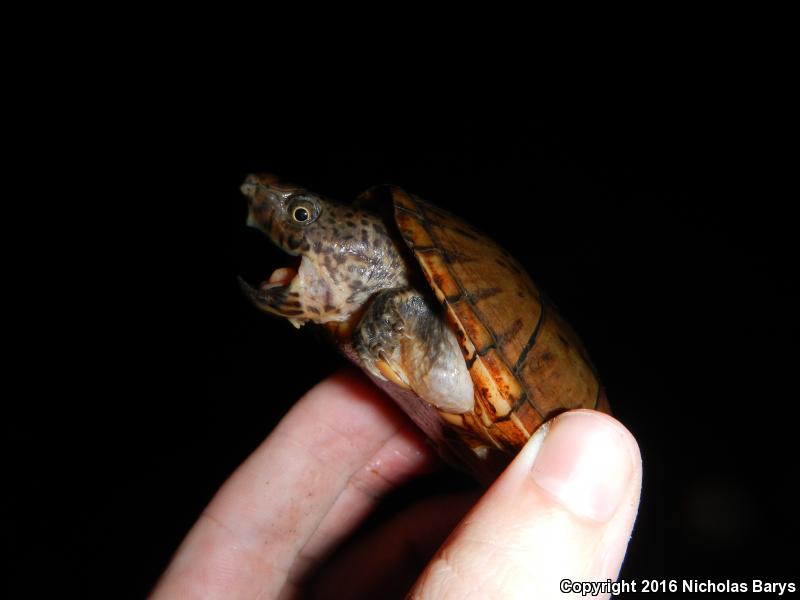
564	508
353	271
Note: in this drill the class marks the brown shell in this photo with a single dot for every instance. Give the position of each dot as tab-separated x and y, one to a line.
526	362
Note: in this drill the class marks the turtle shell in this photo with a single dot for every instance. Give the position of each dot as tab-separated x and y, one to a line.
526	362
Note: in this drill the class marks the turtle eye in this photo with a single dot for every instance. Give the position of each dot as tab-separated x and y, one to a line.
303	211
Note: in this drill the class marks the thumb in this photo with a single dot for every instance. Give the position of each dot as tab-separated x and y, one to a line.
562	510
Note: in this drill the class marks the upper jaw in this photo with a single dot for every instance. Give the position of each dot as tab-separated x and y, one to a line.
263	182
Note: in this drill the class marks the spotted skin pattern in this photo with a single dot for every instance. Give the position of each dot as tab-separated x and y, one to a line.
347	253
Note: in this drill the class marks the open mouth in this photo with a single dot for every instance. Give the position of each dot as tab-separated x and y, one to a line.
281	277
271	294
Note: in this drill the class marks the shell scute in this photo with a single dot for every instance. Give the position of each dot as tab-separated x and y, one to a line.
480	336
512	432
525	361
559	374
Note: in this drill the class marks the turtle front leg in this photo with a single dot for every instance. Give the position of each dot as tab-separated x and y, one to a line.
402	339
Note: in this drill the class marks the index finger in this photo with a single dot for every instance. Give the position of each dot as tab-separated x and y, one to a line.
319	472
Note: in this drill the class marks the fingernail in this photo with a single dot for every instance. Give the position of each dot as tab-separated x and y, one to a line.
585	462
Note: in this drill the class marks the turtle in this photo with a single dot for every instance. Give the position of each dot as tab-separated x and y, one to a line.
438	315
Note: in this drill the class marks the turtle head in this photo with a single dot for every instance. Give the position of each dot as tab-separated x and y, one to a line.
346	254
287	213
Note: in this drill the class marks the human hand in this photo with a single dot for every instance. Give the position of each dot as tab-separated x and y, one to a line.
563	509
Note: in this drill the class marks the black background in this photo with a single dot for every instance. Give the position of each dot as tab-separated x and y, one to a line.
664	233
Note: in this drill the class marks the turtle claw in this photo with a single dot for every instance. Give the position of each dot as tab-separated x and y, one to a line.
390	374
